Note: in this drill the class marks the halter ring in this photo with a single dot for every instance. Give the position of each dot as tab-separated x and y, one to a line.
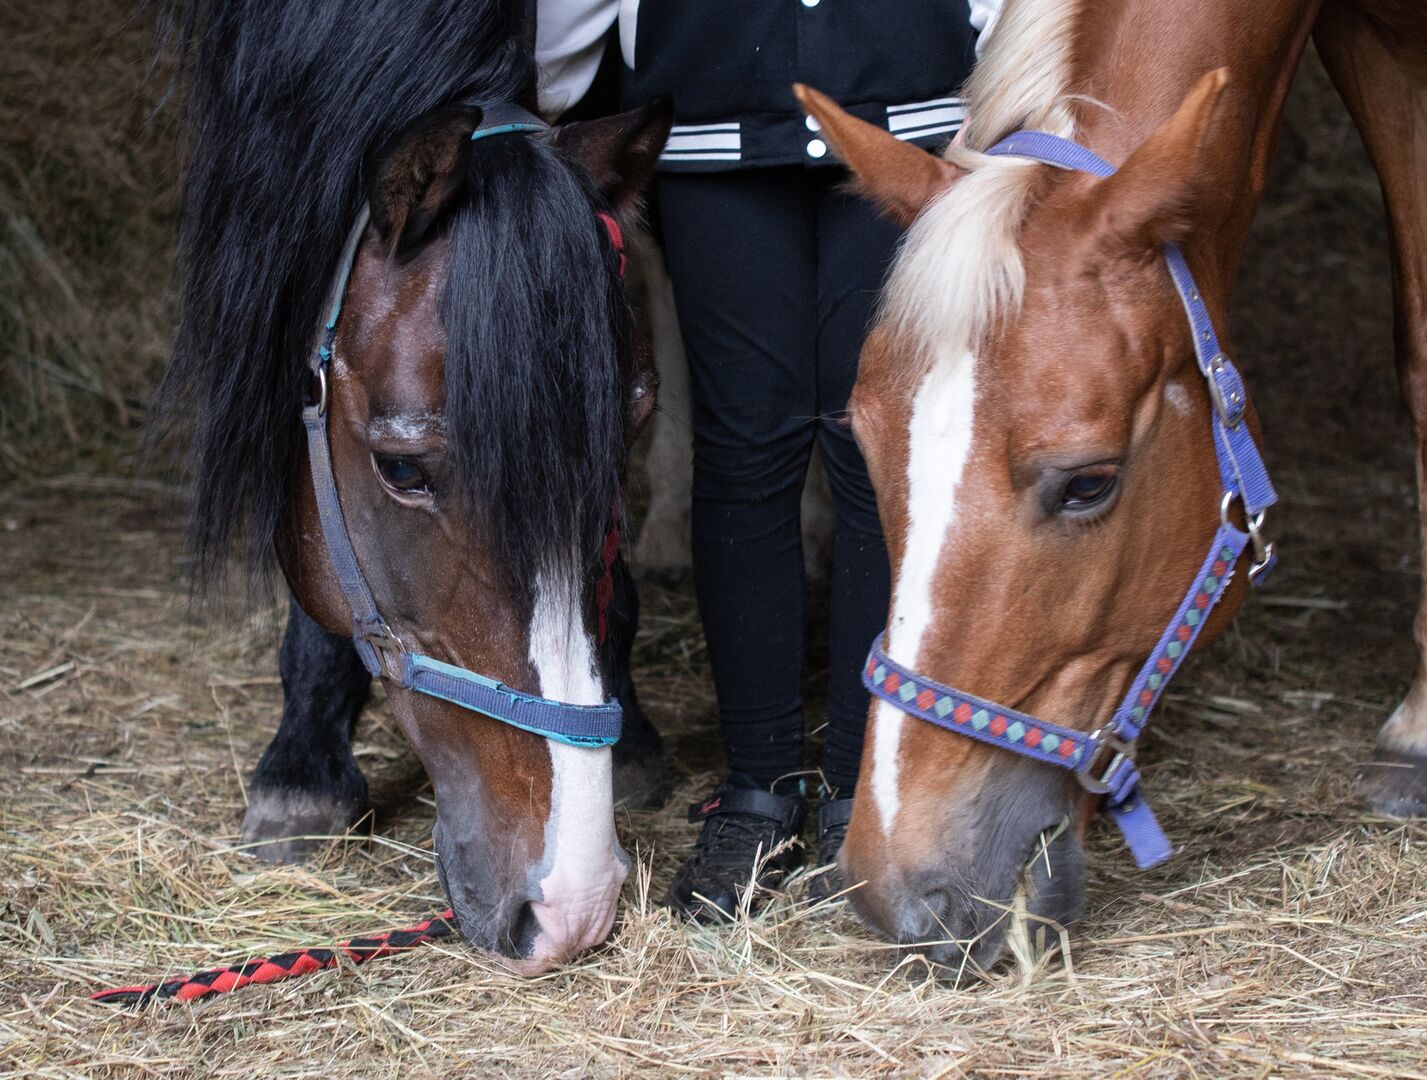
1103	740
1253	525
387	646
319	374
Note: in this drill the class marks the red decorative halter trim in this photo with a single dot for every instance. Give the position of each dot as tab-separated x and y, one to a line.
616	237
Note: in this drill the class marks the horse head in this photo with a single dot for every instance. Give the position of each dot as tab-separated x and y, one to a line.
480	396
1038	432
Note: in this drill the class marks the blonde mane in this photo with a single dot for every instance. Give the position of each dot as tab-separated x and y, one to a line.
959	270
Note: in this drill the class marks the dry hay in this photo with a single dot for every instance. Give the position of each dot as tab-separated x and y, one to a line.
86	226
1288	937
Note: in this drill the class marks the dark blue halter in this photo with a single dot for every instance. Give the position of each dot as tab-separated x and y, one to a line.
382	652
1101	759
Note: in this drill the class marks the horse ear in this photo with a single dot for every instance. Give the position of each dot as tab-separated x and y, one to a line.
897	176
417	175
619	151
1150	201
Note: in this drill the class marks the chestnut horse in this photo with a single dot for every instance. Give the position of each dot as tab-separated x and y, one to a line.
467	426
1037	423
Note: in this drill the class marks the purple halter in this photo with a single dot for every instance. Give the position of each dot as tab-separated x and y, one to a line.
1101	760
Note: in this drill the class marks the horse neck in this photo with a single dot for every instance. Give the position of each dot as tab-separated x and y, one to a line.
1141	57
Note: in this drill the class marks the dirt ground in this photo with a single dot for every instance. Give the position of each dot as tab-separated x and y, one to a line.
1287	938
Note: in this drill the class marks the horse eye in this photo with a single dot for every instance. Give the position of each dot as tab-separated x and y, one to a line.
1087	489
646	382
402	474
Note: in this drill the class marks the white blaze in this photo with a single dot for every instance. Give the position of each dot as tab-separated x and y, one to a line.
940	443
583	861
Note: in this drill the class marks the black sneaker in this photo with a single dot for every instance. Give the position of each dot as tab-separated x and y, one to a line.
744	828
833	816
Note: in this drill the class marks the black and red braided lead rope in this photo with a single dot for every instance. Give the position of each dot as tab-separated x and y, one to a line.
283	966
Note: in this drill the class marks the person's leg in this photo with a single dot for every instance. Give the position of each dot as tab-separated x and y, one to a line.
855	248
741	254
742	257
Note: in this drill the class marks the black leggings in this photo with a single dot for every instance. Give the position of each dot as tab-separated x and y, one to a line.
776	273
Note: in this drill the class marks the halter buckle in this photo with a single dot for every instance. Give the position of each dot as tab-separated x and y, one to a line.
1226	390
1103	742
386	645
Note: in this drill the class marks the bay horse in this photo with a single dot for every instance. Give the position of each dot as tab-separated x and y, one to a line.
1035	404
406	356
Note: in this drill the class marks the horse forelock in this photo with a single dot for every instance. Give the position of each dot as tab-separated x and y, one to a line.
284	104
959	271
537	363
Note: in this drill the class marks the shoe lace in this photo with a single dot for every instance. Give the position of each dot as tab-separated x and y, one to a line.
731	839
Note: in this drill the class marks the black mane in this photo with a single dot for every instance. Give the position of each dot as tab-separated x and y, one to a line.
286	101
537	367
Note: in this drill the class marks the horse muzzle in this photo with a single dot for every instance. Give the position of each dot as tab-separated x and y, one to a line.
528	927
1011	853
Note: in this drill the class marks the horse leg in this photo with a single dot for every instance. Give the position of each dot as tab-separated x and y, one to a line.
639	754
1376	53
663	543
307	782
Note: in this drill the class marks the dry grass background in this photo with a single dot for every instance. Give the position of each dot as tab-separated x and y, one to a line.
86	197
1288	937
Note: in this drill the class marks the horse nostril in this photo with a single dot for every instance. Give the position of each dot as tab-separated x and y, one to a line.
519	941
927	917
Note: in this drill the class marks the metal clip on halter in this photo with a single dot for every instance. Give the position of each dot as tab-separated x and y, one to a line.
1104	743
1264	555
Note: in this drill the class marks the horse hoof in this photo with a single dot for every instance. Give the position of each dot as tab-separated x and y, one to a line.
287	826
1394	783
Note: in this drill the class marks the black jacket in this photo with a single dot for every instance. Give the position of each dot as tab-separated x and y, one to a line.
731	64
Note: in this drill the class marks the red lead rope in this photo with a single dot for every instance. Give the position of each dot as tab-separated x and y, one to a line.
283	966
